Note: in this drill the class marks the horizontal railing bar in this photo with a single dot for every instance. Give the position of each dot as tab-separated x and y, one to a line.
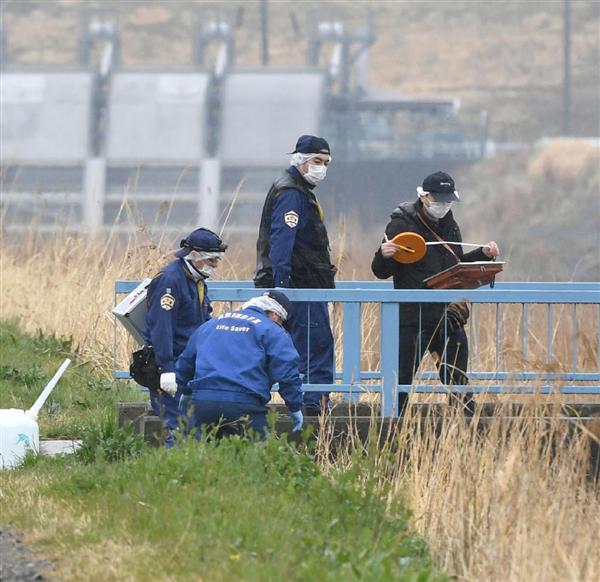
128	286
434	389
516	285
487	376
484	376
420	296
516	376
499	389
406	295
523	376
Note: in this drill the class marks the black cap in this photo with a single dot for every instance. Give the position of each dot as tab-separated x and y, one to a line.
311	144
202	240
282	299
441	186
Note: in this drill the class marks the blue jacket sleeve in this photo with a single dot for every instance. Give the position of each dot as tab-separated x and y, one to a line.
185	367
283	361
286	216
163	305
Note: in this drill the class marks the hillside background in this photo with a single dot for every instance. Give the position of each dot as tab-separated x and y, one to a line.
541	203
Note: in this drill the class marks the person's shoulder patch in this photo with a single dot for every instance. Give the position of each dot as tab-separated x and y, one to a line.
291	219
167	302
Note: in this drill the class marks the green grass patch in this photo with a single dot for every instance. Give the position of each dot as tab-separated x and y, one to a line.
236	510
81	397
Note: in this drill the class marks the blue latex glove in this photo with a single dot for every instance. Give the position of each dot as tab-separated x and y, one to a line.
297	420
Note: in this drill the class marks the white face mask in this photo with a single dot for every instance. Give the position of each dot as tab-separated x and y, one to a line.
315	174
206	271
438	210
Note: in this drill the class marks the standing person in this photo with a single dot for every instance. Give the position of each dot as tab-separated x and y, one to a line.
231	362
293	251
423	327
177	305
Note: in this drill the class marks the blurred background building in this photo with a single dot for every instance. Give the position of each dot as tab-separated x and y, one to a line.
174	114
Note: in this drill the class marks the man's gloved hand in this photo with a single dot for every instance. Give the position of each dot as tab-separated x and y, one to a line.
457	315
297	420
168	383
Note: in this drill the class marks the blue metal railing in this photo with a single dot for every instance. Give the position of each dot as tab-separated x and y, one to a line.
353	295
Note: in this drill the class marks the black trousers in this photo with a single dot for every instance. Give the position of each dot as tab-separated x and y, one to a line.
453	352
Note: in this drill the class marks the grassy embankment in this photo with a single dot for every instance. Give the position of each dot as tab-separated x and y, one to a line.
119	509
512	502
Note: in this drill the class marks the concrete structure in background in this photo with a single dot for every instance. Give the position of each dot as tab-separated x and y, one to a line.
156	118
155	149
45	136
45	117
106	148
264	112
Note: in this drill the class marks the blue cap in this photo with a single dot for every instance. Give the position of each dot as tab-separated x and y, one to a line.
282	299
311	144
202	240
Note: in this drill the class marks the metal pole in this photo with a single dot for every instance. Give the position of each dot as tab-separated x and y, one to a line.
567	68
264	27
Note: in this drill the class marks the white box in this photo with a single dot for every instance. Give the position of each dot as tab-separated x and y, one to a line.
131	312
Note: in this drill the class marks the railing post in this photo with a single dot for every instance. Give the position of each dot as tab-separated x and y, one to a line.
389	342
352	345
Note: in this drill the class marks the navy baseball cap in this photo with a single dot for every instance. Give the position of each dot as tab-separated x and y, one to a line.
282	299
202	240
311	144
441	187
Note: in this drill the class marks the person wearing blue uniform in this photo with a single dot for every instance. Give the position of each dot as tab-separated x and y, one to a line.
177	305
230	364
293	251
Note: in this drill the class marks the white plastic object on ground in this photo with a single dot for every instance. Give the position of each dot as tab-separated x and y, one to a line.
19	431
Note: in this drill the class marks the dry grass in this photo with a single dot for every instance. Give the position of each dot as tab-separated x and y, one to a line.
495	505
65	284
510	501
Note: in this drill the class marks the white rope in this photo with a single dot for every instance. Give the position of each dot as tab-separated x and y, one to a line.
443	242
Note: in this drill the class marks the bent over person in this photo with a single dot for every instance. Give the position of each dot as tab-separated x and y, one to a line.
434	327
177	304
293	251
231	362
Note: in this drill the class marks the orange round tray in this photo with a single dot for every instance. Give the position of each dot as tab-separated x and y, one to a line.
413	247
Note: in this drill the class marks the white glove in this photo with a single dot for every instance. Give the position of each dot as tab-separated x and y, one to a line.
168	383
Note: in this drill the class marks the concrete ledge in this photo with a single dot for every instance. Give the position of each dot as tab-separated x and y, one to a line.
131	412
340	428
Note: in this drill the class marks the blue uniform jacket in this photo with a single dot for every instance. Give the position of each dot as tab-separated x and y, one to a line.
177	306
237	357
292	220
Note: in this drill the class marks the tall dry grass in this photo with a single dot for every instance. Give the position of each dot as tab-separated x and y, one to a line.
505	499
64	284
506	503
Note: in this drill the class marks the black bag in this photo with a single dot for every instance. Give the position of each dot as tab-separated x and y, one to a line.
143	368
